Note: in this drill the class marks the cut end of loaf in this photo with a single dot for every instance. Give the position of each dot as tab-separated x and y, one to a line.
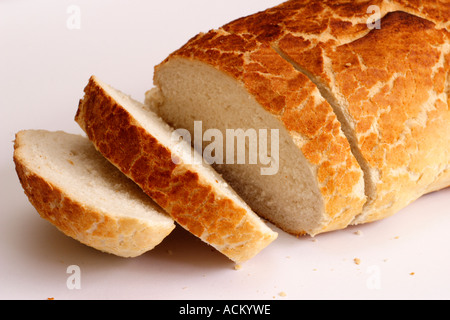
73	187
301	198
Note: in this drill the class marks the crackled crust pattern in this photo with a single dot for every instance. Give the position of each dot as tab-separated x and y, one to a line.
398	105
193	202
296	102
391	85
307	28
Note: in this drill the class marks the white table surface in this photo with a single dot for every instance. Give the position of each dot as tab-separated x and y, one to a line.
44	66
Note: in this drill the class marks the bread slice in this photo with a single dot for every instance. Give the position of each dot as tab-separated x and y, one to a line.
148	151
76	189
229	82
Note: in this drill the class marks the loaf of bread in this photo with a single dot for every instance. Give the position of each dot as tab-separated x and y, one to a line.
77	190
142	146
359	91
349	102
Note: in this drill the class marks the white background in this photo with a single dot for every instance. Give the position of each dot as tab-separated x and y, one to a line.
44	67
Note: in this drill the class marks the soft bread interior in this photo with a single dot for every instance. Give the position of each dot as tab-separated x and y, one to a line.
189	91
72	164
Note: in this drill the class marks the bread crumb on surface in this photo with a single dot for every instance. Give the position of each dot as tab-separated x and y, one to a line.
357	261
412	273
282	294
358	233
237	267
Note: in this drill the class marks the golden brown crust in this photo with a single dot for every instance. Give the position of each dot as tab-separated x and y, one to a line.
402	124
192	201
306	29
437	12
124	237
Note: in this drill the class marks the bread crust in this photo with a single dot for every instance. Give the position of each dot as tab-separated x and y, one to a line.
122	236
190	199
392	84
401	126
